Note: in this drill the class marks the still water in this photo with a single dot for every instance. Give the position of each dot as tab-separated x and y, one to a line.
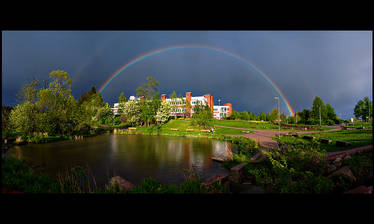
132	157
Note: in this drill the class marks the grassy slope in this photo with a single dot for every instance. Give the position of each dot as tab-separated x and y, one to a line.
182	125
357	138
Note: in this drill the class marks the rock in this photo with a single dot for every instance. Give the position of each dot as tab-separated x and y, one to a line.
236	173
338	162
221	178
331	169
122	183
344	171
360	190
308	137
347	157
342	143
325	140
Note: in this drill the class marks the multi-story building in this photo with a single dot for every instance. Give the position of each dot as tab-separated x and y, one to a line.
179	108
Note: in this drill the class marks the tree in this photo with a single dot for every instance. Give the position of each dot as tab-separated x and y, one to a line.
317	106
5	113
283	117
147	89
330	113
28	92
173	95
363	108
305	117
92	91
202	116
131	112
274	115
82	98
24	119
163	113
105	115
234	115
262	116
122	98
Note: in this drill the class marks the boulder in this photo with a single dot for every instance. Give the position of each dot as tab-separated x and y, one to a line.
122	183
221	178
331	169
308	137
337	162
347	157
360	190
236	173
342	143
325	140
344	171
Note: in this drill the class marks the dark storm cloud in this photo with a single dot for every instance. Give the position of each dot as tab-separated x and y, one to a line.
337	66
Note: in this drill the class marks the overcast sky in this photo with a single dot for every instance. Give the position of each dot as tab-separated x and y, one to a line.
334	65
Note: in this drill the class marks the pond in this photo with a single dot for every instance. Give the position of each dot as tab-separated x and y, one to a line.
132	157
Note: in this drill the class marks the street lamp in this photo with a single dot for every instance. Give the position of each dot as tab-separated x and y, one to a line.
219	102
277	98
319	115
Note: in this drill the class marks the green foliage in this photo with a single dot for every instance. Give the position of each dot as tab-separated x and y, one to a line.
163	113
131	111
274	115
202	116
148	89
24	119
5	113
28	92
122	98
17	175
364	109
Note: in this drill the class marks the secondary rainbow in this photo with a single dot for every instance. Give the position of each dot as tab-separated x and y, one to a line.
191	46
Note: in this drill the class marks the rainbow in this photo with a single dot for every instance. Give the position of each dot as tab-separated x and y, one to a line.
191	46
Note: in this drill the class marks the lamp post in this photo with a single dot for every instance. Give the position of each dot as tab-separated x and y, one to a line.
219	102
277	98
319	115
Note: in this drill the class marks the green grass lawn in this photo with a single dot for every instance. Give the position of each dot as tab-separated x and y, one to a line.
182	125
249	125
357	138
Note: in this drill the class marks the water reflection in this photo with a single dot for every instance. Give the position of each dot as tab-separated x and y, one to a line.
133	157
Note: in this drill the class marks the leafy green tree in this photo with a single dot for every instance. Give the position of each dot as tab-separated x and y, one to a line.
105	115
5	113
317	104
202	116
82	98
244	115
28	92
283	117
24	119
331	115
122	98
163	113
305	117
148	89
131	112
234	115
173	95
262	116
274	115
91	92
363	108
